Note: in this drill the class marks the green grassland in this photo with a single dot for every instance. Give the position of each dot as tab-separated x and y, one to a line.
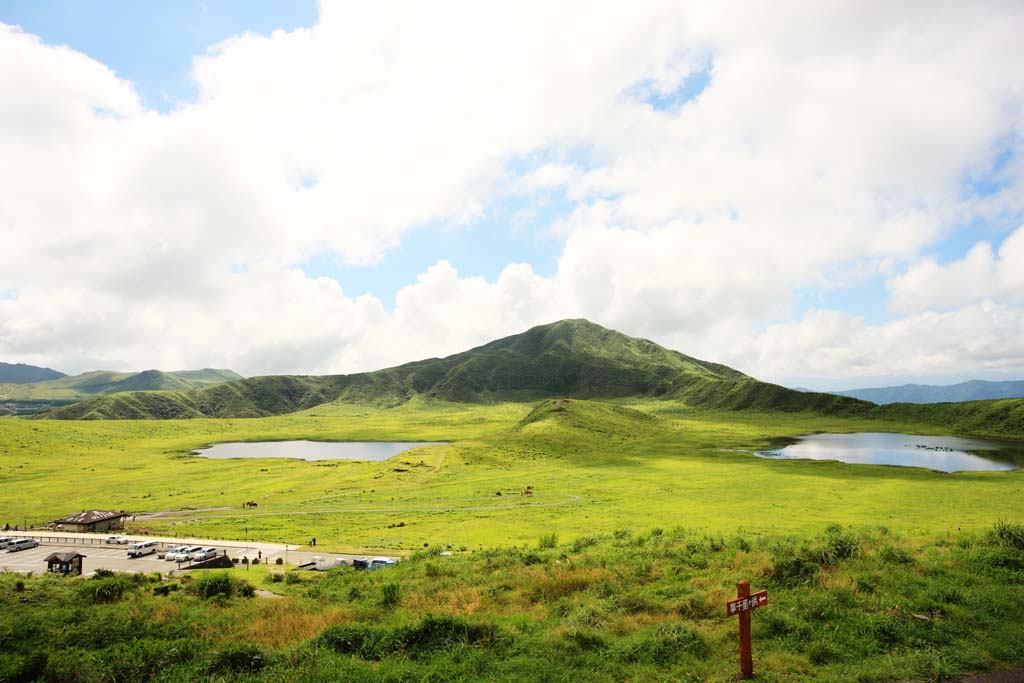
643	515
869	605
592	467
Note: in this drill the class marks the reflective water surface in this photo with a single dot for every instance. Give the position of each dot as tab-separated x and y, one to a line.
312	450
943	453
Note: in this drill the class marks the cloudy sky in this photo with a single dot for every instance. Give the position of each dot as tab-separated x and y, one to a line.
822	194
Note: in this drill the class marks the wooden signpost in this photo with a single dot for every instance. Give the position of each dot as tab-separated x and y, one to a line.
742	606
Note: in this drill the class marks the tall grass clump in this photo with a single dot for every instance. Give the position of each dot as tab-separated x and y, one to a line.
390	595
221	584
548	540
1006	534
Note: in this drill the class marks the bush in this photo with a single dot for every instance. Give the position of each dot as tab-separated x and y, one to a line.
792	570
279	561
894	555
238	659
838	545
430	635
1006	534
548	540
391	595
583	542
101	590
221	584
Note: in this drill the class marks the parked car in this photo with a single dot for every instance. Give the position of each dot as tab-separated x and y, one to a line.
140	549
22	544
4	542
117	540
185	553
380	563
203	554
171	553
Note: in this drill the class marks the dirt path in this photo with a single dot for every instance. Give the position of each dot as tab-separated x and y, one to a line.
565	499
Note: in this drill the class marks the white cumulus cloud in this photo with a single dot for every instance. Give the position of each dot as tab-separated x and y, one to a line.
833	141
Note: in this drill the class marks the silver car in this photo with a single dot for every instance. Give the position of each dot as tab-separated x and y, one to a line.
171	553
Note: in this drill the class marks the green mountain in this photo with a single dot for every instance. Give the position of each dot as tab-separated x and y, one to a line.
567	359
974	390
19	373
90	384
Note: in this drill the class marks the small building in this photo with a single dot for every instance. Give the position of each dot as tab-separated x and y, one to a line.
92	520
65	563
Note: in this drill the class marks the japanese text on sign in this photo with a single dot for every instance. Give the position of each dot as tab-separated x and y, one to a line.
747	604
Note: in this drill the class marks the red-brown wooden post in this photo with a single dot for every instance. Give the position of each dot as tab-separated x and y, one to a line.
746	657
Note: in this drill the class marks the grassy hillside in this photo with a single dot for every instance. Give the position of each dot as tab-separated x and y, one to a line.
633	606
19	373
568	359
642	516
571	358
100	382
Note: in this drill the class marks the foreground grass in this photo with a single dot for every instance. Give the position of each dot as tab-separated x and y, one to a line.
591	468
845	604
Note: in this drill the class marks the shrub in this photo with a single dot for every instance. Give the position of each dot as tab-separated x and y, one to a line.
548	540
838	545
1006	534
583	542
792	570
429	635
292	577
894	555
102	590
279	560
238	659
221	584
391	595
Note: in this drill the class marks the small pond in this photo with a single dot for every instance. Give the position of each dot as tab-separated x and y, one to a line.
943	453
312	450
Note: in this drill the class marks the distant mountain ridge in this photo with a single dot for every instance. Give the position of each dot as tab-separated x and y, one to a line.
20	373
100	382
569	358
973	390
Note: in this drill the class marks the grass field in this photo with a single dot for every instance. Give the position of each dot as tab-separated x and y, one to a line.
643	516
592	468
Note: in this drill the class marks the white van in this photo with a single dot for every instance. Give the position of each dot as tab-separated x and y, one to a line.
140	549
22	544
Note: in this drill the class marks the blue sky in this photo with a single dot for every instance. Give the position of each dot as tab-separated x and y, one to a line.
676	210
152	43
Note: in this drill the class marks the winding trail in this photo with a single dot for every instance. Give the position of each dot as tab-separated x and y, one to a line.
565	499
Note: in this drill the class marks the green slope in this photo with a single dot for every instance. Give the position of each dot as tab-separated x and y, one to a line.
567	359
98	382
19	373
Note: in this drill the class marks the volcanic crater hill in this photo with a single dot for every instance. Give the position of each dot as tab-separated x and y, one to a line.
20	373
100	382
566	359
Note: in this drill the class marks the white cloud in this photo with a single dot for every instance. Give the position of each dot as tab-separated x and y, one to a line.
832	140
981	274
981	338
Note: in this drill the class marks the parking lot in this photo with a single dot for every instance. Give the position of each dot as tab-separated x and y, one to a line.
99	555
